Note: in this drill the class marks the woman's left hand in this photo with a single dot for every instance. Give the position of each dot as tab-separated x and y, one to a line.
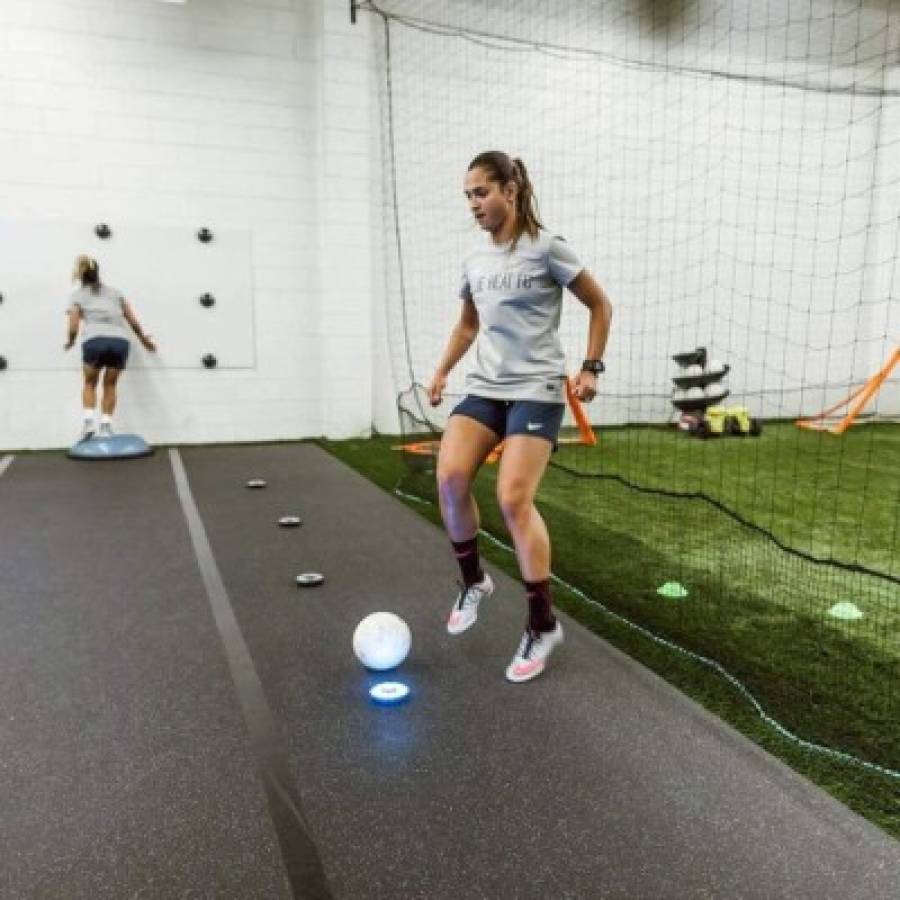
585	386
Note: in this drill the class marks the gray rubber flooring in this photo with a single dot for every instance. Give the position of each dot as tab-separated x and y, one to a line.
126	763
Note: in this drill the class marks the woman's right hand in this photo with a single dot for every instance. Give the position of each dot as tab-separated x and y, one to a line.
436	388
147	341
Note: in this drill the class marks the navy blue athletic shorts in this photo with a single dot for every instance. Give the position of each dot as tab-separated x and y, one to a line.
103	352
507	417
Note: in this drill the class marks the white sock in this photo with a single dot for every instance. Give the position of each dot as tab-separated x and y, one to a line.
88	416
105	419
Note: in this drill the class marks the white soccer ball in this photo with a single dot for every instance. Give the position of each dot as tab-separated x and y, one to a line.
382	641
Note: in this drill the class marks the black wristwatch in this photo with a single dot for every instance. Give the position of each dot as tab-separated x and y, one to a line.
593	365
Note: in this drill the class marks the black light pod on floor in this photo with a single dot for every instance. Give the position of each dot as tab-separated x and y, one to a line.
207	300
204	235
210	361
103	231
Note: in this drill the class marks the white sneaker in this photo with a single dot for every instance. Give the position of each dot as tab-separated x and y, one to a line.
465	610
88	432
533	653
106	430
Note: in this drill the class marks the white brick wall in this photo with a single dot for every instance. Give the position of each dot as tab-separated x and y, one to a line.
251	115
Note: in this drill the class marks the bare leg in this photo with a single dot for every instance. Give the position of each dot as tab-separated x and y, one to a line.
464	447
522	466
110	379
89	391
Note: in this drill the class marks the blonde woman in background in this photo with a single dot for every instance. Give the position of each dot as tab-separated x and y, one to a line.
108	320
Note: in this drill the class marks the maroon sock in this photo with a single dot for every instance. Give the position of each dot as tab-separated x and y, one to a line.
540	616
467	557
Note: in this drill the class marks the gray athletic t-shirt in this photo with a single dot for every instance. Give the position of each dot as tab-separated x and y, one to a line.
101	312
518	295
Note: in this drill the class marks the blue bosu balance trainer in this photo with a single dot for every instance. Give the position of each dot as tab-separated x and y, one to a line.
116	446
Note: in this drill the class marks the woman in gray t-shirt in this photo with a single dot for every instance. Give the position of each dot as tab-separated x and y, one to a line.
511	291
106	320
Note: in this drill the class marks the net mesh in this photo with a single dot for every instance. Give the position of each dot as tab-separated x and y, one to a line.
730	173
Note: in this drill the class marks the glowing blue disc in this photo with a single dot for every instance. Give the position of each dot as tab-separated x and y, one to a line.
389	692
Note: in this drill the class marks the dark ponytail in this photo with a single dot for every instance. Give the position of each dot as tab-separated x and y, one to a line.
526	202
502	169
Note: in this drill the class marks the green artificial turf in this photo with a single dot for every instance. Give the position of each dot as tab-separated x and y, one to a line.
758	610
831	496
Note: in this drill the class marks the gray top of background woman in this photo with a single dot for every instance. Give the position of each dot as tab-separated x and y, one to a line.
102	312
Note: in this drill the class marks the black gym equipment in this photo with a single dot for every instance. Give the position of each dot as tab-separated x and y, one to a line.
309	579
